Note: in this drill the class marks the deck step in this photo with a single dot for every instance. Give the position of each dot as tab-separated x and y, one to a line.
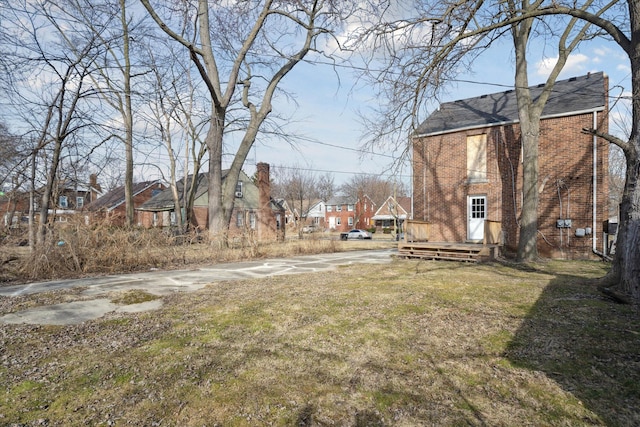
446	251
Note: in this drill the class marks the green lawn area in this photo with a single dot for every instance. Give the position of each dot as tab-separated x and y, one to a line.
406	344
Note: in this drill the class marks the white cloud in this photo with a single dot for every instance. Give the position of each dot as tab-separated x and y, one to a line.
576	64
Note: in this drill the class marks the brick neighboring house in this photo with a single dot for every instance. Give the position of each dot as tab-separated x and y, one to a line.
392	212
467	168
14	208
111	206
343	213
254	209
69	197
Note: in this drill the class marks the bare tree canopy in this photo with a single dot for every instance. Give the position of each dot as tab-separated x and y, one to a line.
242	51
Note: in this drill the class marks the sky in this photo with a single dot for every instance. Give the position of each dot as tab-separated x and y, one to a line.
327	109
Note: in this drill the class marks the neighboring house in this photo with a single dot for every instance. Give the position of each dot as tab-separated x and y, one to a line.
254	209
467	168
14	208
344	213
70	197
316	214
290	215
112	207
393	212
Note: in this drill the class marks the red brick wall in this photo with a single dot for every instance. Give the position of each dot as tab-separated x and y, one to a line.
362	212
566	164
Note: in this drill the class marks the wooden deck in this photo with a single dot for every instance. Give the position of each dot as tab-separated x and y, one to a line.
465	252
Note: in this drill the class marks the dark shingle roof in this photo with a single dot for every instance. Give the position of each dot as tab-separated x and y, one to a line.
584	93
115	197
164	200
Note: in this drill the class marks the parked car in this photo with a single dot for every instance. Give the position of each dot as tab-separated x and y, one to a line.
312	228
355	234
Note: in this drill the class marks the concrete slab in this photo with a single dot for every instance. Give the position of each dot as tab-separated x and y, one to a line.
167	282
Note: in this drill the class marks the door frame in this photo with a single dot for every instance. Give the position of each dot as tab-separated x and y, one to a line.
479	234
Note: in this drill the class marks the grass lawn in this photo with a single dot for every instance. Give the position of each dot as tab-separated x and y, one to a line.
406	344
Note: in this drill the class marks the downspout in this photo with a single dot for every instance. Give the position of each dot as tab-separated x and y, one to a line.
595	192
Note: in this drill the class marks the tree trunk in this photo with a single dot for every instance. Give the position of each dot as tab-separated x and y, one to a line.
127	115
529	133
623	280
217	225
46	201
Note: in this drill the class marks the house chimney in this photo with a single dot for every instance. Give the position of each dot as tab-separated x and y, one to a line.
264	186
94	187
264	200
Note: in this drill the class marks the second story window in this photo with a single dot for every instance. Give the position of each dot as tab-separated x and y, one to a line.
338	208
477	158
79	202
63	202
350	208
329	208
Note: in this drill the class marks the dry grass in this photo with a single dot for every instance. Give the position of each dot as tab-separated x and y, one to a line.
406	344
79	250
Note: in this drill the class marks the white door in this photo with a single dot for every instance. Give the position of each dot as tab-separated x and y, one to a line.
332	222
477	213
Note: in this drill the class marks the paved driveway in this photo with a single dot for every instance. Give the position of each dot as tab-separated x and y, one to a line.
166	282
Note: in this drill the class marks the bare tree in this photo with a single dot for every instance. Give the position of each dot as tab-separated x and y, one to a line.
375	187
174	114
111	22
56	110
242	51
299	187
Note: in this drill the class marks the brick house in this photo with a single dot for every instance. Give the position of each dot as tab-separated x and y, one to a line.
68	198
111	206
254	210
14	207
344	213
467	168
394	211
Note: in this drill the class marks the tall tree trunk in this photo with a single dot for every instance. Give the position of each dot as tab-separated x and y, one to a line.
46	201
128	120
529	133
217	225
624	276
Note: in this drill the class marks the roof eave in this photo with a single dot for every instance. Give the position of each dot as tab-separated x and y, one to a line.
509	122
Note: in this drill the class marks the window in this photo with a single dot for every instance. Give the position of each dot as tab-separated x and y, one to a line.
329	208
63	202
339	208
240	219
350	208
79	202
155	192
239	187
155	219
350	221
172	218
252	220
477	158
338	220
